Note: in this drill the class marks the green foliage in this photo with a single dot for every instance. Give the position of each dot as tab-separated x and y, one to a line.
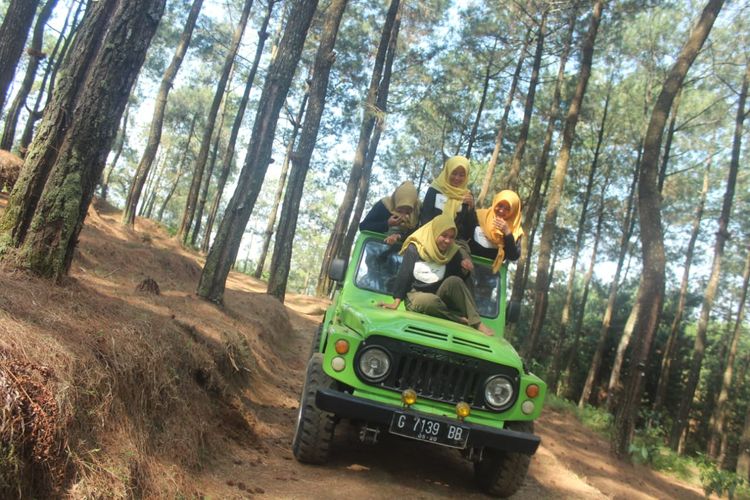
596	419
715	480
646	446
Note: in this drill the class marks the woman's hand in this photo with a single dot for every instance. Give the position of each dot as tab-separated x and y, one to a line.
392	238
468	199
393	305
395	220
467	265
502	226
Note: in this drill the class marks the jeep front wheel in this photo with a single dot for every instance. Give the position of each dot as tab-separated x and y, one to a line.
501	473
314	432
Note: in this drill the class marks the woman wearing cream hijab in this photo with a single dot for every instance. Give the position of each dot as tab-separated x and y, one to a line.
497	230
448	192
430	279
396	215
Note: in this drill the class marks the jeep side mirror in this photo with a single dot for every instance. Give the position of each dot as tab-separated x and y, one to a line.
337	270
512	311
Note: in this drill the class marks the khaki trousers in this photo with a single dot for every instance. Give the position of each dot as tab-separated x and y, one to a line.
452	301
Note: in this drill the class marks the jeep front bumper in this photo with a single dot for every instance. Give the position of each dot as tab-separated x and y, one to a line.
345	405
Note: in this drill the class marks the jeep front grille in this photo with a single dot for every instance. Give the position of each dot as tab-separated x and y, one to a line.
437	374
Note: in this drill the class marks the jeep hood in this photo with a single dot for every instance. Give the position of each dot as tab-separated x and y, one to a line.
368	319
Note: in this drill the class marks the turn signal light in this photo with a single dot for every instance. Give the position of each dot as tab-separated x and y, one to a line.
409	397
532	390
341	346
463	410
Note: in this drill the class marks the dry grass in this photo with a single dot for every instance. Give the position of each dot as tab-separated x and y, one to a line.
107	389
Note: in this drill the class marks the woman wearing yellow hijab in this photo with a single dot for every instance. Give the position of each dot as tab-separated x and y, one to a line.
497	229
448	192
430	279
397	214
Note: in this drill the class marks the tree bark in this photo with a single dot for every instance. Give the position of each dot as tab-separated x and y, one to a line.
722	235
561	168
48	80
511	180
180	169
13	34
369	116
66	159
717	442
119	144
157	120
670	347
482	100
183	233
580	237
532	207
35	55
651	289
324	58
268	233
668	140
228	158
488	174
627	230
280	73
571	353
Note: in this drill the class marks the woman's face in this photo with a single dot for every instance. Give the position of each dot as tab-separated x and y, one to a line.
445	239
502	210
457	177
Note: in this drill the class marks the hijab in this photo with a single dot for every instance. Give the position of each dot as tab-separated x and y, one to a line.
442	183
404	196
425	240
486	219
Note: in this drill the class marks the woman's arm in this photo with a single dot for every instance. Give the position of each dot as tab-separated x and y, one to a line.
512	247
404	278
376	219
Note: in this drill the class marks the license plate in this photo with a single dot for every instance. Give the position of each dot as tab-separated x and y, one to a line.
430	430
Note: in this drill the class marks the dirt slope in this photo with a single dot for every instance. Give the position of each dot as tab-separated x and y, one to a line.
122	393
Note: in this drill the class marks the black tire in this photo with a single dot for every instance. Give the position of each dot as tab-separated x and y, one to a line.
314	431
316	340
501	473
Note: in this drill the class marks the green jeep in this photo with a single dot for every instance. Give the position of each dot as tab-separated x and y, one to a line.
418	376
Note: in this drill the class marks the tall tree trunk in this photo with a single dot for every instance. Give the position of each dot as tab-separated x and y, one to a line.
48	81
35	55
149	201
571	352
511	180
561	168
268	233
157	120
13	34
668	140
369	115
183	233
66	160
279	77
627	229
482	100
722	235
532	206
580	236
743	453
490	172
324	58
119	144
382	104
209	175
670	348
614	387
651	289
717	443
151	183
180	169
228	158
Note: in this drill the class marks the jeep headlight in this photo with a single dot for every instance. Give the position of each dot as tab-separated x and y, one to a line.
374	363
498	391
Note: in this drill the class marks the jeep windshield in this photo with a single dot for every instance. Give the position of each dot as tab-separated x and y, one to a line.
379	264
